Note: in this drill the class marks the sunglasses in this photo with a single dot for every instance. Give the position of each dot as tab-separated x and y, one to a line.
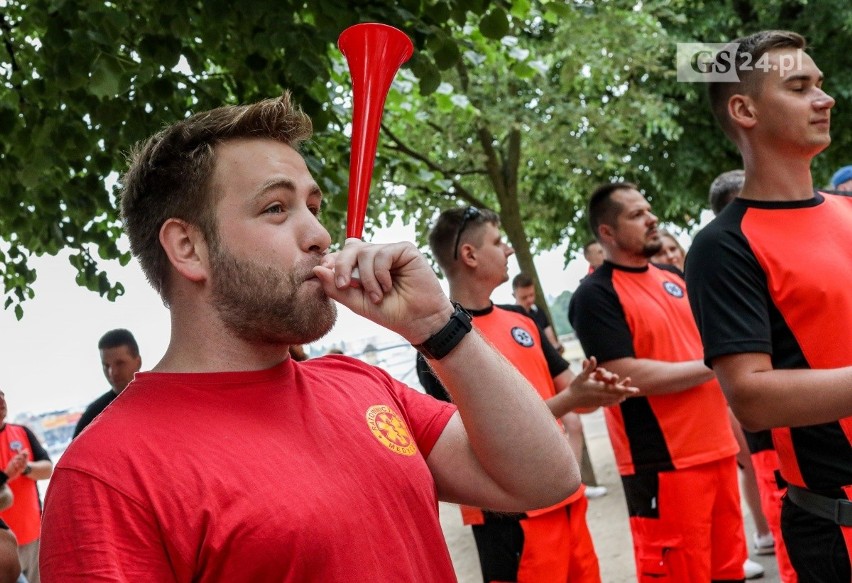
470	213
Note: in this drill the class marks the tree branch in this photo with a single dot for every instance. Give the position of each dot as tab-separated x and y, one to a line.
461	191
470	172
471	200
513	160
464	78
492	162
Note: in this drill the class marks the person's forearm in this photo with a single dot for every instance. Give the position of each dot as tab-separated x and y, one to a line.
657	377
10	567
789	398
40	470
513	435
564	401
551	336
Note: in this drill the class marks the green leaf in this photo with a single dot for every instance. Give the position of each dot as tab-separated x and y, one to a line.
445	103
105	78
559	9
447	55
430	79
520	9
523	70
495	24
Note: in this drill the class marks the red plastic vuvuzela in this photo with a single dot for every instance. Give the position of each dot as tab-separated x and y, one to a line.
374	53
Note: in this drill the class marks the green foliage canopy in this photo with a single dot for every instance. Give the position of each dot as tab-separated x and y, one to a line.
83	80
523	106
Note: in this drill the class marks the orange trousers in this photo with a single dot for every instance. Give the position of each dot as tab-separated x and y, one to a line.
554	547
687	524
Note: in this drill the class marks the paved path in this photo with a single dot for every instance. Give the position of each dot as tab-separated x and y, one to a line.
607	519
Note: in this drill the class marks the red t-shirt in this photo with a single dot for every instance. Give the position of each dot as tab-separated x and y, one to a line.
306	471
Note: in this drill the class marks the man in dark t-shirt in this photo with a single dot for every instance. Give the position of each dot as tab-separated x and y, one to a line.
769	286
523	290
120	360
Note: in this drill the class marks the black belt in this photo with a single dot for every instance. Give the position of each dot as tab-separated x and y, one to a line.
836	510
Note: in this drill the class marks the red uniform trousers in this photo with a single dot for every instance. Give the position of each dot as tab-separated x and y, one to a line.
689	529
553	547
766	471
558	547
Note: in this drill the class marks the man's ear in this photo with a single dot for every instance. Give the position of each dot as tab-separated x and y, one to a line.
742	111
467	254
605	232
186	248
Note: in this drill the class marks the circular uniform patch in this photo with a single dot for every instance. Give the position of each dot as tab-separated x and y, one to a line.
673	289
522	337
390	430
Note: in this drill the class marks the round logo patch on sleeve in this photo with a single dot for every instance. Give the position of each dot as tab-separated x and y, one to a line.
673	289
390	430
522	337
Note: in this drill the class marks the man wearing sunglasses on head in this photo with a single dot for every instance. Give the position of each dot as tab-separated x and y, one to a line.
543	545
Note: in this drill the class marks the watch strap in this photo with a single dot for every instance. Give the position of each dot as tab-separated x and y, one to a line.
444	340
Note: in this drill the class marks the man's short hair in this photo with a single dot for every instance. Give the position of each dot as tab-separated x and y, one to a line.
170	173
442	238
119	337
747	49
522	280
725	188
602	209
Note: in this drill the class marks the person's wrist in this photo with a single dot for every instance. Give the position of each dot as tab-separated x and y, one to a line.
432	325
27	470
442	342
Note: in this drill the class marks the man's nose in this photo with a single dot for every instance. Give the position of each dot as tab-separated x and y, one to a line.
824	100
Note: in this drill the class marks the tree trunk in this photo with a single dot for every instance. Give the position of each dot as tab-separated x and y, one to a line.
503	172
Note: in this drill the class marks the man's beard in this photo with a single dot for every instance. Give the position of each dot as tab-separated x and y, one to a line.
651	249
264	305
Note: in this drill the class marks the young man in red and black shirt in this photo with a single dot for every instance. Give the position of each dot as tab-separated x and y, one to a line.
769	286
550	545
673	444
762	457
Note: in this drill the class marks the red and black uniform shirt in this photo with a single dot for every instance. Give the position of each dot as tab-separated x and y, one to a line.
622	312
522	345
515	335
774	278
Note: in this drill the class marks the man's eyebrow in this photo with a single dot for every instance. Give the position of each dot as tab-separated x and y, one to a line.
273	184
286	184
803	77
315	191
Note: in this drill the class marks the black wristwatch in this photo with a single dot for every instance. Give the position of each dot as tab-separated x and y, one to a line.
442	342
